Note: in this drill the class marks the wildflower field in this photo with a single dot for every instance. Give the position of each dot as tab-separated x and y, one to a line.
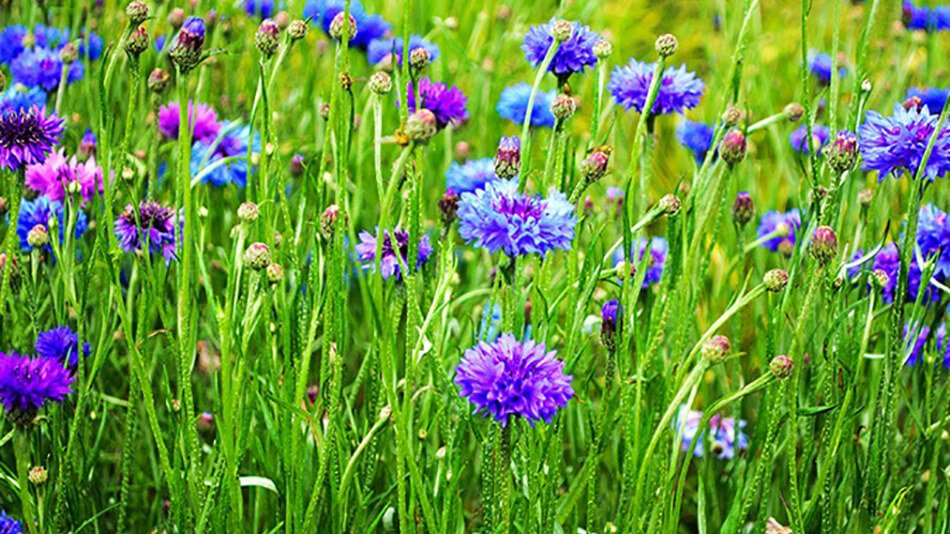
348	266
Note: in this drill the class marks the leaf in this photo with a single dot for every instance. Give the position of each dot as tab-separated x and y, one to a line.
260	482
816	410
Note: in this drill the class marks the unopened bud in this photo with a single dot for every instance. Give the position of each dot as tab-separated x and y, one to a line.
824	245
137	12
380	83
297	30
562	30
257	256
594	166
716	349
448	207
508	157
158	81
38	236
733	147
732	116
137	42
743	209
267	38
341	23
421	126
38	475
563	106
794	112
248	212
775	280
666	45
419	59
781	367
275	273
69	53
602	49
670	204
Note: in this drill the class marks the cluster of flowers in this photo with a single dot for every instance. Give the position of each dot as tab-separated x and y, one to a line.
40	57
924	18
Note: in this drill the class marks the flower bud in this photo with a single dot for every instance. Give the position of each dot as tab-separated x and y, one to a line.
297	166
743	209
257	256
38	475
508	157
842	153
137	12
794	112
666	45
275	273
158	81
38	236
380	83
267	38
3	81
602	49
137	42
824	245
297	30
562	30
421	126
879	279
732	116
176	17
865	196
866	86
733	147
775	280
781	367
341	23
185	50
419	59
716	349
248	212
206	422
328	220
563	106
610	324
448	207
69	53
594	166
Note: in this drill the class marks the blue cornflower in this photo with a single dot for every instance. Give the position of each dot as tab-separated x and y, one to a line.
727	436
62	344
697	137
19	97
915	347
491	323
933	237
160	42
389	262
261	8
498	217
782	227
822	65
887	260
573	55
233	143
11	42
368	27
679	91
890	144
513	105
470	176
931	97
26	383
8	525
655	263
42	67
507	378
38	212
923	18
799	138
50	36
382	49
447	104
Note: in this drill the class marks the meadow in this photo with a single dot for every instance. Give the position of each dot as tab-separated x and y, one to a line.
498	267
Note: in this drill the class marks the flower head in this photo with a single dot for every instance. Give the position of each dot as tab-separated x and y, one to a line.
931	97
369	27
26	383
447	104
380	50
727	436
201	117
394	242
470	176
573	55
679	91
8	525
783	228
799	138
933	237
54	176
19	97
822	66
890	144
924	18
259	8
11	42
697	137
498	217
508	378
233	144
156	220
654	264
513	105
38	212
42	67
62	344
27	136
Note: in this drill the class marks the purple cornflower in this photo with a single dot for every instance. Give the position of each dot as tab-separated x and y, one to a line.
201	116
931	97
784	226
573	55
389	263
799	138
498	217
655	263
38	212
42	67
27	136
923	18
470	176
56	174
508	378
380	50
610	315
727	436
915	347
933	237
368	27
679	91
19	97
62	344
889	144
8	525
697	137
513	105
159	223
26	383
185	48
234	143
448	105
260	8
822	65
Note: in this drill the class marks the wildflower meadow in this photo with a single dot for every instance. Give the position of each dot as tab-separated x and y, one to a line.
347	266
